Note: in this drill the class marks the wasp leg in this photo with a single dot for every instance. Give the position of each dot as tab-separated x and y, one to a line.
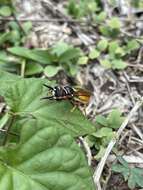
72	110
84	110
51	88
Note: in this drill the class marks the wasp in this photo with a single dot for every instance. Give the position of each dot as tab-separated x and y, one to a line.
77	96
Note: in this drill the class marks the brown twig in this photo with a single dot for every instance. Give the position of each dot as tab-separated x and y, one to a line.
87	149
43	20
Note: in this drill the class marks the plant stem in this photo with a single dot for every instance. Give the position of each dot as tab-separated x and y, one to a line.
23	68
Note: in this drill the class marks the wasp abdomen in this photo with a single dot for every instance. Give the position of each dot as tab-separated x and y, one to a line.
63	92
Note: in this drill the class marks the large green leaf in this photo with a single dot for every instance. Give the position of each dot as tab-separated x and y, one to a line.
24	98
41	56
6	80
46	158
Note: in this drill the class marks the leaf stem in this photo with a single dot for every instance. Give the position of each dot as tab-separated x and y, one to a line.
23	65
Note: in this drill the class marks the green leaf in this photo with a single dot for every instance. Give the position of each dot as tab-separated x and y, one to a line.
13	25
41	56
113	46
27	26
118	64
103	132
33	68
51	71
83	60
94	54
120	51
132	45
5	76
115	119
131	182
73	9
138	176
26	102
100	17
70	54
122	161
7	80
106	63
7	58
114	23
5	2
5	11
46	158
104	30
60	48
4	37
121	169
101	120
102	44
73	69
100	153
92	6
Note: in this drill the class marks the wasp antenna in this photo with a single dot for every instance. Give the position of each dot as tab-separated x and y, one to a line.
48	97
51	88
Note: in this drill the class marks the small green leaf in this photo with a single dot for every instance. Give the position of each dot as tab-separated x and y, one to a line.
27	26
33	68
89	140
101	120
102	44
106	63
100	153
4	37
104	30
73	9
132	45
92	6
120	52
15	37
73	69
51	71
114	23
13	25
123	162
103	132
131	181
5	11
138	175
70	54
83	60
94	54
60	48
118	64
113	46
121	169
115	119
100	17
133	175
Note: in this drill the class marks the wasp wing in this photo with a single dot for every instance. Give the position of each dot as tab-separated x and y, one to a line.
82	95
